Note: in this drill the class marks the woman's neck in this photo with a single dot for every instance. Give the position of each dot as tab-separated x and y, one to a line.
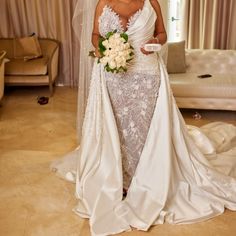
125	1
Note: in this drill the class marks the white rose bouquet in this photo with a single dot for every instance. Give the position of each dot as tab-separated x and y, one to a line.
115	52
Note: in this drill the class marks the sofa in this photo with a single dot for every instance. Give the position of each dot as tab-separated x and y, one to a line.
217	92
36	72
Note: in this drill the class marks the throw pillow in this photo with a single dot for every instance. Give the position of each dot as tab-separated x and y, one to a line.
27	48
176	57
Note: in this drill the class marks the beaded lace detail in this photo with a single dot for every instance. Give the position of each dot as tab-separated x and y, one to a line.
110	21
133	97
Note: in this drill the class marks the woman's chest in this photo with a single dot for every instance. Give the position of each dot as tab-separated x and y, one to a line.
110	20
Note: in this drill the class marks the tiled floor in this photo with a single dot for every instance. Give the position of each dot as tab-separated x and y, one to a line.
33	201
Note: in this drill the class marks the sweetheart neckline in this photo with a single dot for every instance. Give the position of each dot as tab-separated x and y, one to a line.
124	28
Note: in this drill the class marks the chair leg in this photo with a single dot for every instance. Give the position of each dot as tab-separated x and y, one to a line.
51	89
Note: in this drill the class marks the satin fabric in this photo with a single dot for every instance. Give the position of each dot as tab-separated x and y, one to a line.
179	178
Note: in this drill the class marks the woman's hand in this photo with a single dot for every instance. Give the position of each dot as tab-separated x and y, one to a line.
154	40
97	53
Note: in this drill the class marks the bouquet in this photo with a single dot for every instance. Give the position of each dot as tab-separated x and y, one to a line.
116	52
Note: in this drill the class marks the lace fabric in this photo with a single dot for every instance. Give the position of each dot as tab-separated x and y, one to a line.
110	21
133	97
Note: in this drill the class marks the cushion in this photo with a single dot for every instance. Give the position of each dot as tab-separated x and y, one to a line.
176	57
7	45
22	67
27	48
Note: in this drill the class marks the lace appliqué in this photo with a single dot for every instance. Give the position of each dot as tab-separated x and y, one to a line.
110	21
133	98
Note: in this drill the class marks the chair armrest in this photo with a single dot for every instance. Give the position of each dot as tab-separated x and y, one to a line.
2	55
48	47
53	65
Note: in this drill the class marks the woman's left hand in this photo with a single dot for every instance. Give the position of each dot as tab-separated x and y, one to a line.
154	40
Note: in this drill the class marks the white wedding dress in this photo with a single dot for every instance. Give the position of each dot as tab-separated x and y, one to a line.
179	174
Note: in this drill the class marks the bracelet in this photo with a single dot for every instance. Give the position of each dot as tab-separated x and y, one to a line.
157	39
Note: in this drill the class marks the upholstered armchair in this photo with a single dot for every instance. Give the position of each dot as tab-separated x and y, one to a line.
37	72
2	65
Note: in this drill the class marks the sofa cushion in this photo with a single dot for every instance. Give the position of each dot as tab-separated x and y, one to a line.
217	86
27	48
33	67
176	57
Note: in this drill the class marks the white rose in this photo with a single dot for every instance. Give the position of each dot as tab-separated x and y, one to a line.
105	43
123	64
127	45
118	65
119	60
112	55
122	47
113	45
119	43
112	64
107	53
111	41
104	60
126	53
122	53
116	36
123	59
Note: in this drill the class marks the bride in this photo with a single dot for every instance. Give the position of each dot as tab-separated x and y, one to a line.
134	138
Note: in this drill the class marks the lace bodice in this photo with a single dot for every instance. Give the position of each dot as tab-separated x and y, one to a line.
110	21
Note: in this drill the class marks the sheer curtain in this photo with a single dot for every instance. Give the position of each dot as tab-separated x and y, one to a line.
209	23
48	19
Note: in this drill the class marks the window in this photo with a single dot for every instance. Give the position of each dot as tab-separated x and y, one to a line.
174	21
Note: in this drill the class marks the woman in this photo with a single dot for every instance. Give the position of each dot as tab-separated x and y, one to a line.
135	92
134	137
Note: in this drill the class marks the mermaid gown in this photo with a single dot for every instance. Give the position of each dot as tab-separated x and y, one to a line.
135	137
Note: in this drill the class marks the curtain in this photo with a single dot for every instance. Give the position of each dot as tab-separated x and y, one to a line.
48	19
209	23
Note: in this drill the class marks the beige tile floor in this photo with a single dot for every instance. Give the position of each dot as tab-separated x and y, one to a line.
33	201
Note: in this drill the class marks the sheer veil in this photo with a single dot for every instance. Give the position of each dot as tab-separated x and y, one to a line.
83	25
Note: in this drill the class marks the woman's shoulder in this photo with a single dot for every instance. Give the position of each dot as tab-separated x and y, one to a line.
103	2
100	5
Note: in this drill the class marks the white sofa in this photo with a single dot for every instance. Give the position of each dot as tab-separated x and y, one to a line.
217	92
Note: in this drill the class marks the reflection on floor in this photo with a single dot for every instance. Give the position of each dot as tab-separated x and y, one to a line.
33	201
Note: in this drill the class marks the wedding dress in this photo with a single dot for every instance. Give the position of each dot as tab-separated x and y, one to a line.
179	174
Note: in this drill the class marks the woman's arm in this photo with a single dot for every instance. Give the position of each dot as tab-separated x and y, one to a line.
160	32
160	35
95	33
